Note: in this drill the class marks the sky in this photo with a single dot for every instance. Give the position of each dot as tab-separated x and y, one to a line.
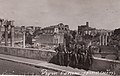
101	14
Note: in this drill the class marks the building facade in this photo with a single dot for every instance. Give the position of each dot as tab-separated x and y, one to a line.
104	37
85	29
52	34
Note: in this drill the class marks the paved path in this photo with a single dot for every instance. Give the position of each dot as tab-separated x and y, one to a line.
14	68
50	66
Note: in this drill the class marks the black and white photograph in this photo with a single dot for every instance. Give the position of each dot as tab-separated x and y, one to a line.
60	37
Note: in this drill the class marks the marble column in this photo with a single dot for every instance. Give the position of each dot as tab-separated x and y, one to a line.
23	31
0	30
106	39
6	34
103	40
100	40
12	34
24	39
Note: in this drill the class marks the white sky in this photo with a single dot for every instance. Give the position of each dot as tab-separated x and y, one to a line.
100	13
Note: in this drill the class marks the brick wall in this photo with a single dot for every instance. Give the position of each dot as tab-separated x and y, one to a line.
43	55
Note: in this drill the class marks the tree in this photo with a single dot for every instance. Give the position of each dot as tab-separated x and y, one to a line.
36	32
117	31
115	38
28	38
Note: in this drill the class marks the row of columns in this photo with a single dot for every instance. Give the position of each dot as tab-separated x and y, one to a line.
8	24
103	39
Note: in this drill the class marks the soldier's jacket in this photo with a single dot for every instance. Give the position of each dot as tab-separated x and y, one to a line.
69	50
81	51
60	49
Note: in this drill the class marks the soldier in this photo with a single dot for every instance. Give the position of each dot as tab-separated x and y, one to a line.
88	60
90	53
55	59
76	55
70	49
66	56
81	56
61	55
73	56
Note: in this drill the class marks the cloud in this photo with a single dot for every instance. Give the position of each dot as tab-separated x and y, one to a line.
100	14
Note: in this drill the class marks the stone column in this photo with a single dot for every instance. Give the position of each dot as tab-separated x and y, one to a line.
0	25
0	30
24	39
106	39
12	34
6	34
23	31
100	40
103	40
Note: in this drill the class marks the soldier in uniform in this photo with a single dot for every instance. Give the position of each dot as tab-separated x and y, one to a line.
73	55
82	56
67	38
88	60
60	55
70	51
79	55
90	53
67	56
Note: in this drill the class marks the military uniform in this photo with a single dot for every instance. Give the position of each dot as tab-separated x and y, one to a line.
67	56
60	55
70	51
80	58
75	57
89	59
